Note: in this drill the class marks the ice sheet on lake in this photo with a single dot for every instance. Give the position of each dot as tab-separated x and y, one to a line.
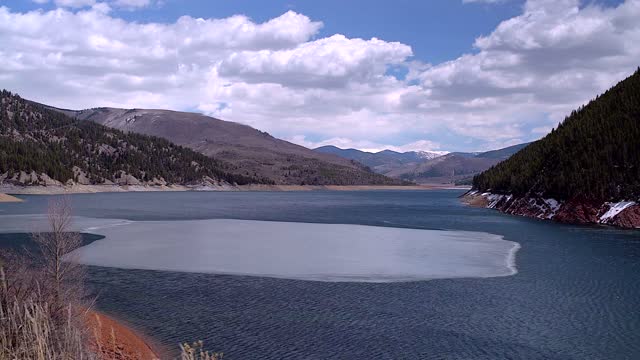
322	252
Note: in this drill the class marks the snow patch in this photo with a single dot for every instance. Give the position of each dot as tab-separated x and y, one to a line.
615	209
552	207
536	206
542	208
495	199
429	155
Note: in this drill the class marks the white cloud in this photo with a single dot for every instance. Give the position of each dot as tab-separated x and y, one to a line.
132	3
522	78
329	62
551	59
74	3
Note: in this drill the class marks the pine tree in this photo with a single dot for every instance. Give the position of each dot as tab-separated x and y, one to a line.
594	154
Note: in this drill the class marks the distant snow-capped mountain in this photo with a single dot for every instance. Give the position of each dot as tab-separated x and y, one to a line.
428	155
426	166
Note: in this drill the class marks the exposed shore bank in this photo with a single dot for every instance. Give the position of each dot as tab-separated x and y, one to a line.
624	214
8	198
89	189
114	340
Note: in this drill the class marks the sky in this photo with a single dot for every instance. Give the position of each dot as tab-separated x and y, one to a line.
447	75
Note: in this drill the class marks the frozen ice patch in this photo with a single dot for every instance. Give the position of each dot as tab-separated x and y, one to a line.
321	252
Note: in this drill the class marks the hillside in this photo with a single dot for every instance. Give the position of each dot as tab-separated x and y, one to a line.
252	152
502	154
427	167
450	168
39	146
592	160
383	161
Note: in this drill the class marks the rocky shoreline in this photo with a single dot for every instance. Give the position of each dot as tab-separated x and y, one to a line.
624	214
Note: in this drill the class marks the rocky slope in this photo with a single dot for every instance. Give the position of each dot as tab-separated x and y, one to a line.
625	214
253	152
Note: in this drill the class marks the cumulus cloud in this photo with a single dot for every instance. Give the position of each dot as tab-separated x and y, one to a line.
554	57
74	3
520	80
132	3
327	62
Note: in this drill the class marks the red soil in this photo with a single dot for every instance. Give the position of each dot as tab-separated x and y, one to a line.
116	341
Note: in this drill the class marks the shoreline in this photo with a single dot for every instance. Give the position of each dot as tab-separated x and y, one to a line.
113	338
4	198
621	214
92	189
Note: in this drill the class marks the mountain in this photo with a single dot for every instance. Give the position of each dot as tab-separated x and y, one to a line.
502	154
383	161
250	151
39	146
450	168
362	157
586	170
411	156
427	167
466	154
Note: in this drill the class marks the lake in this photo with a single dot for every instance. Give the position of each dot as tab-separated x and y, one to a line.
420	276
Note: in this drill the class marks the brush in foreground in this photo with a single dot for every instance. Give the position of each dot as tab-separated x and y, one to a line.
196	351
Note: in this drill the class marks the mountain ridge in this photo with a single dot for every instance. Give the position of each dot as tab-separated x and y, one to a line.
39	146
254	152
427	167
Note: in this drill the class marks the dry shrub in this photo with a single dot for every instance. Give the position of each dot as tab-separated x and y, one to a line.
28	330
43	311
41	296
196	351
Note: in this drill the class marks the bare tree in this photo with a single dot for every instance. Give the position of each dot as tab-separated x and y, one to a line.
63	276
42	315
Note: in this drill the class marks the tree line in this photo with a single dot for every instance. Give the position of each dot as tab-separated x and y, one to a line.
36	138
594	154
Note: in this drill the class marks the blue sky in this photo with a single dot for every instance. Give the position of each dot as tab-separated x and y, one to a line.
442	74
438	30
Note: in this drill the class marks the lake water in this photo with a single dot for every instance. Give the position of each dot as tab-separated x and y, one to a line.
576	293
